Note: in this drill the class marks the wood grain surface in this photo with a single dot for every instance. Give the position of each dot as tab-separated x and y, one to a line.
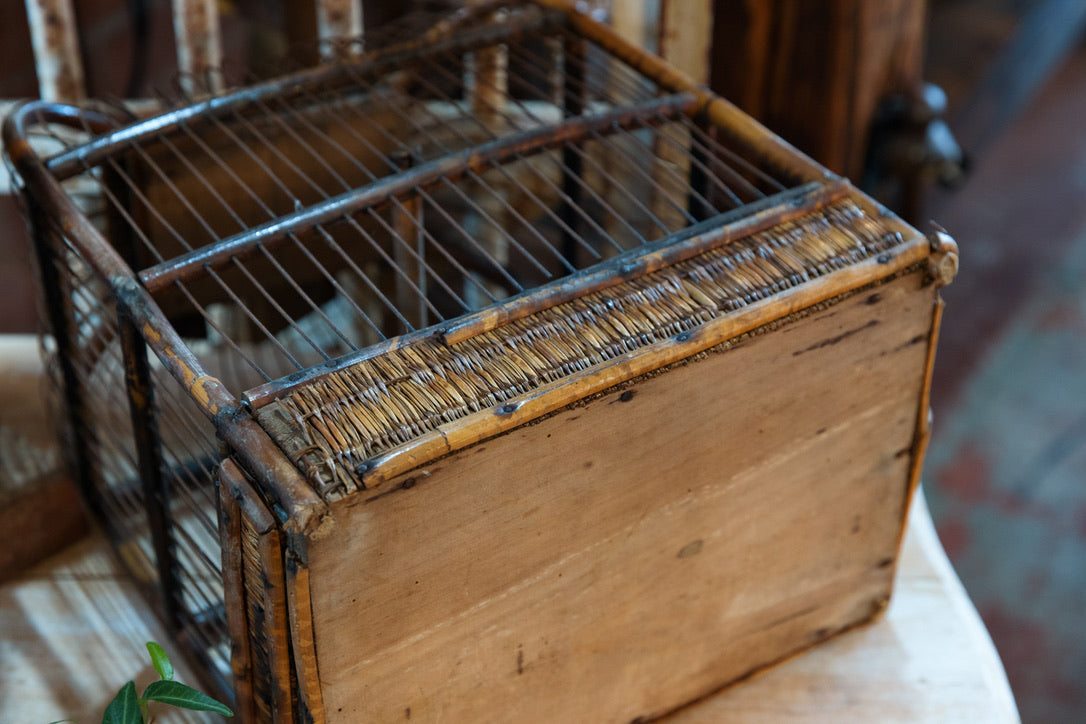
642	550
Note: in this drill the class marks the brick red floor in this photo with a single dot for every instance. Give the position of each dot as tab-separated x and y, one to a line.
1006	472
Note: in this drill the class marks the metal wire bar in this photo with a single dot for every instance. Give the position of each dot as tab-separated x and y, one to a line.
534	62
562	193
437	245
398	204
70	162
252	194
676	247
271	300
305	296
148	442
290	194
506	174
572	175
194	172
470	174
577	84
209	320
467	199
495	152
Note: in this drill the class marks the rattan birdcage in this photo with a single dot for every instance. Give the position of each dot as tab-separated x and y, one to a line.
389	305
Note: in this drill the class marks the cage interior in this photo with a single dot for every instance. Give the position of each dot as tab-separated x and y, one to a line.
281	230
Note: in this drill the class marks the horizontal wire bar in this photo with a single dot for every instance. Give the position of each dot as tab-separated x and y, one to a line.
423	175
70	162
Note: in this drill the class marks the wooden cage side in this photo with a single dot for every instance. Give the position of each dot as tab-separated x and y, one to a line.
256	603
642	548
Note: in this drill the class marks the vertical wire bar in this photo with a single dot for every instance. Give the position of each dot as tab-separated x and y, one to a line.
137	375
339	29
574	57
698	202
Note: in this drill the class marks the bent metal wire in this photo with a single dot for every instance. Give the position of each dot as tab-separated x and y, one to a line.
204	262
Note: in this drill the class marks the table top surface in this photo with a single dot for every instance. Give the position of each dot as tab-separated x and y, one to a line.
75	627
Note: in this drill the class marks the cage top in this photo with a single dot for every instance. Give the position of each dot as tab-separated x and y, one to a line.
458	173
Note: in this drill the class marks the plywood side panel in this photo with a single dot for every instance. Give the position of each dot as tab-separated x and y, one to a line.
641	550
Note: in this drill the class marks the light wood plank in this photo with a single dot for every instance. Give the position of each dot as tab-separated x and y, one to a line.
639	551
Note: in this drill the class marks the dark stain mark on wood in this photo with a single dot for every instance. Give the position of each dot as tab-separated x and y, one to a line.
821	431
405	485
789	617
520	660
873	299
886	562
834	340
407	713
691	549
856	525
918	339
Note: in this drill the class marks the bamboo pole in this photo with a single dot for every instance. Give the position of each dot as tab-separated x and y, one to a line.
53	35
199	46
339	29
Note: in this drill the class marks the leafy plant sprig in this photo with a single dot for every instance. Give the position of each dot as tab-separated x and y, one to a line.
129	708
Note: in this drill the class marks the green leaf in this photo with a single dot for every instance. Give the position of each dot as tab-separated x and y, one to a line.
125	708
161	661
177	694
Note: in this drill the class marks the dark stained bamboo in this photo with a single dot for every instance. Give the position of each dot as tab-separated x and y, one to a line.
276	624
254	448
423	176
103	259
303	638
156	494
230	481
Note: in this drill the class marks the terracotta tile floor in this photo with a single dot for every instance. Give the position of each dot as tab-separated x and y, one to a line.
1006	471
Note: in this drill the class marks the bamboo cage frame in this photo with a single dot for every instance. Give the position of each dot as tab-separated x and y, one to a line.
289	507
